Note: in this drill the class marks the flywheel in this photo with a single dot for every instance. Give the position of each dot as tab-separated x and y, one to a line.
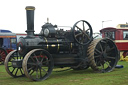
103	55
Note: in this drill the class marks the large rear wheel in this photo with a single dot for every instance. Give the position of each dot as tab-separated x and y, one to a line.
103	55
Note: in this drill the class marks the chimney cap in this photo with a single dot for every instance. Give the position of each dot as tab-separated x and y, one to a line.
30	8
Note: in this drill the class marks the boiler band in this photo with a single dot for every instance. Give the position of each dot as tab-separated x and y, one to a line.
57	45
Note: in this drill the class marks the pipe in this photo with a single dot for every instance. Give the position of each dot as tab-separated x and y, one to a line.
30	20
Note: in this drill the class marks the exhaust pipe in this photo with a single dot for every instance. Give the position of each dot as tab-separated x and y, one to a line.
30	20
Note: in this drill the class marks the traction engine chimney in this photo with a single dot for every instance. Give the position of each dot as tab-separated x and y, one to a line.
30	20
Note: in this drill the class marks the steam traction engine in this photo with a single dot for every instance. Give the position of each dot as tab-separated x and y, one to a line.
38	54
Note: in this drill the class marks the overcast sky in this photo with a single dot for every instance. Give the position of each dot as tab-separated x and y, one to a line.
63	13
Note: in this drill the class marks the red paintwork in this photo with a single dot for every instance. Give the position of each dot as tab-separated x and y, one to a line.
119	35
21	34
9	50
125	53
122	46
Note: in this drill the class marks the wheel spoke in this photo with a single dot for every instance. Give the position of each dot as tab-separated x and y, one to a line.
46	61
87	36
13	70
107	64
87	30
37	73
30	68
105	50
32	72
30	63
101	47
41	54
98	56
97	51
32	59
42	59
17	57
16	71
79	34
79	28
44	70
83	27
110	49
105	47
13	58
102	65
40	73
21	71
2	53
109	57
36	57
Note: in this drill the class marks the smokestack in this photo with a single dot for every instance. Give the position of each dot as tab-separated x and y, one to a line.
30	20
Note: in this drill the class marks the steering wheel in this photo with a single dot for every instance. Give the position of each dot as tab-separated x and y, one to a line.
81	34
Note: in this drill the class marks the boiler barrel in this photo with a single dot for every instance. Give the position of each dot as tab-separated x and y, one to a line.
56	45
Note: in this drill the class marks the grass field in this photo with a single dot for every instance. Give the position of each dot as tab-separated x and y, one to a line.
84	77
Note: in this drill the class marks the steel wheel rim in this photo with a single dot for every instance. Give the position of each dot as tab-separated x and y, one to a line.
101	57
34	64
105	55
13	71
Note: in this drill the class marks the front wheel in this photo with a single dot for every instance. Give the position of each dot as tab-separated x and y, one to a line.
38	64
13	64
